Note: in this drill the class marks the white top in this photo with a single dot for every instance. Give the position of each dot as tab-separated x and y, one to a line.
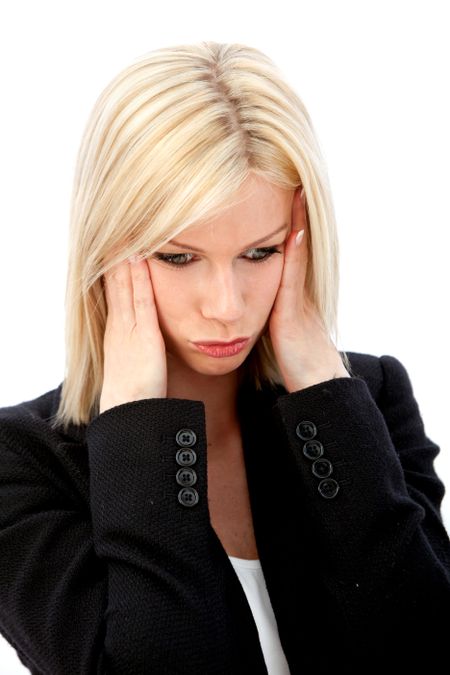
252	580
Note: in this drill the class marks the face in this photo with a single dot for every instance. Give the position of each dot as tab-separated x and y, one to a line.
218	281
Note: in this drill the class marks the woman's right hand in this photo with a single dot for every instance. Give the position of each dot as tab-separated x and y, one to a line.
135	365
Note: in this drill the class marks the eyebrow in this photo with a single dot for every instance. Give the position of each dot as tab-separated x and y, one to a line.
255	243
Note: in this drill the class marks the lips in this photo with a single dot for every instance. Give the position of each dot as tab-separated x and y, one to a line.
221	344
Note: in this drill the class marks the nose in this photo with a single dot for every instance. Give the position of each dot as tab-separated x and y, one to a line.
222	297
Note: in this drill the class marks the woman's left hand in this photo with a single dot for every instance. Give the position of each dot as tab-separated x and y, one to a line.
304	352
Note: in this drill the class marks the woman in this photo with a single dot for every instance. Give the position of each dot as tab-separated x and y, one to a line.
175	507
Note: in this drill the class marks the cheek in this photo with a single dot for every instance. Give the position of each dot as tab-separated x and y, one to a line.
263	285
174	291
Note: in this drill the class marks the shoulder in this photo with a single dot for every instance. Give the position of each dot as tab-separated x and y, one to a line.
28	441
386	375
382	375
30	416
376	370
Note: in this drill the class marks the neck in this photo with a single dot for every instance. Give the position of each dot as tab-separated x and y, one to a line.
218	393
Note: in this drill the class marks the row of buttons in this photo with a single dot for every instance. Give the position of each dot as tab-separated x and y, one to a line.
321	467
186	457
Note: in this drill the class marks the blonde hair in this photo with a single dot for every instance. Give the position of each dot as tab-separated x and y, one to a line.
167	145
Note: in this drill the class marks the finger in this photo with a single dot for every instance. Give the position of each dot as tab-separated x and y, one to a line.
299	219
121	293
143	297
106	285
106	279
291	277
295	262
300	222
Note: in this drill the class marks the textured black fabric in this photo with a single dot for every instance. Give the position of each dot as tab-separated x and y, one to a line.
102	570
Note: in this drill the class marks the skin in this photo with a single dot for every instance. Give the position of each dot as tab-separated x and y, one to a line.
220	295
156	310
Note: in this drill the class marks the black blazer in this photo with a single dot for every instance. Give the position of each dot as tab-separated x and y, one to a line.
108	564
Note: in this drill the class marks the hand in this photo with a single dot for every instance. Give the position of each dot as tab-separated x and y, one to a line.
304	352
135	365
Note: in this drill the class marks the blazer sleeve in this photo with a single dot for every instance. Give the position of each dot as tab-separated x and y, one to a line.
372	496
130	586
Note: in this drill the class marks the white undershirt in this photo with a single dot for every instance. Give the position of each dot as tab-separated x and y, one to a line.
252	580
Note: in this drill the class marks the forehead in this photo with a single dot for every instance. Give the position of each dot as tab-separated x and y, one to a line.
260	209
261	240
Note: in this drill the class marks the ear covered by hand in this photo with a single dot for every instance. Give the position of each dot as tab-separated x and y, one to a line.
304	352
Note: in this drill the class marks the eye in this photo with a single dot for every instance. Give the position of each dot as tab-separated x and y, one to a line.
180	259
175	259
265	252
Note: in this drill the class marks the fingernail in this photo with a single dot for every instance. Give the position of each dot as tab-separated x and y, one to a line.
299	237
133	258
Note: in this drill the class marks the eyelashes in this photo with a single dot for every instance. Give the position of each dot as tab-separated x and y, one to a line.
172	258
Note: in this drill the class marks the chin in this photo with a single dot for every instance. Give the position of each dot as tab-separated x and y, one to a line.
217	366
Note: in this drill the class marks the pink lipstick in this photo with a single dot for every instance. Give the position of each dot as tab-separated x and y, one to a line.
220	349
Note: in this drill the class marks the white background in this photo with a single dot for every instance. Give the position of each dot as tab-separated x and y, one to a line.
374	77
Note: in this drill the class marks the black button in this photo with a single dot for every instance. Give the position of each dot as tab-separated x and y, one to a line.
313	449
186	476
186	457
306	430
186	437
322	468
188	496
328	488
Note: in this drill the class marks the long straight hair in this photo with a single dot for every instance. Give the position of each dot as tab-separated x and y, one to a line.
167	145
